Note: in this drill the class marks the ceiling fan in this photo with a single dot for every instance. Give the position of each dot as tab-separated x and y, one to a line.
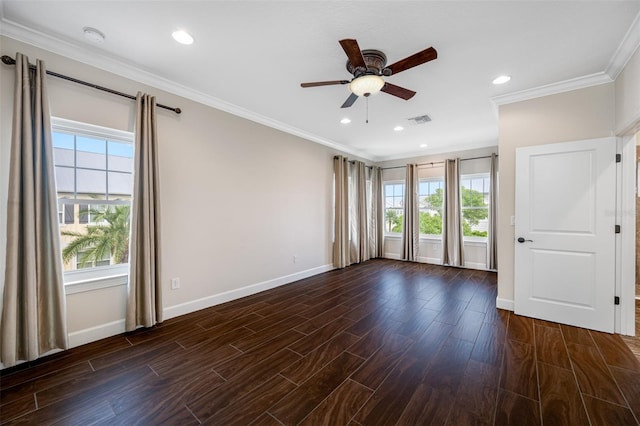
368	67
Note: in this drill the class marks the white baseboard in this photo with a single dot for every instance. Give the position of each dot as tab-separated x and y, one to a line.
98	332
432	260
475	265
216	299
393	256
504	304
102	331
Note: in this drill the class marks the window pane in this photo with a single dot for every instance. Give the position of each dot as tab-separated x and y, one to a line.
398	190
65	180
478	185
91	182
393	220
120	164
388	202
82	179
86	144
120	183
63	149
91	153
430	223
120	149
120	156
91	160
62	140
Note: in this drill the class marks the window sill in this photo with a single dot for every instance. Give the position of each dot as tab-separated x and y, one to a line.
474	241
95	278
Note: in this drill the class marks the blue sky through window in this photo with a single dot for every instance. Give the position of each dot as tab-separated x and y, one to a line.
98	146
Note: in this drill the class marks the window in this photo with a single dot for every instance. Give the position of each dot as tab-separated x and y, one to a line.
431	196
474	194
85	260
94	180
393	207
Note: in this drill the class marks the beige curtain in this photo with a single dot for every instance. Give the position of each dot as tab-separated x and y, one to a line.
341	257
144	305
493	213
452	230
361	218
376	218
411	225
33	310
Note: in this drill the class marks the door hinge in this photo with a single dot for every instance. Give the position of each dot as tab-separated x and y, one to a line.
617	229
616	300
618	158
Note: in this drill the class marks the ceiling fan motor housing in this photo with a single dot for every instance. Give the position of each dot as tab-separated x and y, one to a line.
375	61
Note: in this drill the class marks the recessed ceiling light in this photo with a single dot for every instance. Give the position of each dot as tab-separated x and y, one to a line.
398	128
93	35
501	79
423	145
182	37
345	121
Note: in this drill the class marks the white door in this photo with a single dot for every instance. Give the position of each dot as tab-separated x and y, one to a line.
565	233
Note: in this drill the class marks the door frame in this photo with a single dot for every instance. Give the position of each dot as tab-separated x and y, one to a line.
626	241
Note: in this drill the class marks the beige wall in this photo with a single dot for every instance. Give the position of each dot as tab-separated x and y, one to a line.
239	199
576	115
628	97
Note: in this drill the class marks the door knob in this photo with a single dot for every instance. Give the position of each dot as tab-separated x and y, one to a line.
522	240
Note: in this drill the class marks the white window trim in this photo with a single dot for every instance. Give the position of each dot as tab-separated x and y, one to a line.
470	239
392	182
82	280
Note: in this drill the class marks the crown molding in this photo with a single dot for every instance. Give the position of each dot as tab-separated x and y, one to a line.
625	50
115	66
553	88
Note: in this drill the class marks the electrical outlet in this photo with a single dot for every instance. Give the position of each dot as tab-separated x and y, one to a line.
175	283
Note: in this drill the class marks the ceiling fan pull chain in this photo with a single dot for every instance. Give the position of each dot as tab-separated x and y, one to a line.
367	120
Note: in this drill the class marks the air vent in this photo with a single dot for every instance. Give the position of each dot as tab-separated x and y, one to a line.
421	119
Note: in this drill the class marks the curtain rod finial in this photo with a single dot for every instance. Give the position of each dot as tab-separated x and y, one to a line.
8	60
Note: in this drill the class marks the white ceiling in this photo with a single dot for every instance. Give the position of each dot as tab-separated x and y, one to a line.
249	58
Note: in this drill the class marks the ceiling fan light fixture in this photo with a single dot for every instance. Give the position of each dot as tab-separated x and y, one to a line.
366	85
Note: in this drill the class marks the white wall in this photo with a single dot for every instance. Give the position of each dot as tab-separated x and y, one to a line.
430	249
576	115
627	93
238	199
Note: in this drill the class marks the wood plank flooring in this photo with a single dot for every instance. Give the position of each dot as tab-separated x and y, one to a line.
380	343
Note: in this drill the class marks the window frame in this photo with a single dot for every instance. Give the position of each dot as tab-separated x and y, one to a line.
81	280
384	196
427	180
471	176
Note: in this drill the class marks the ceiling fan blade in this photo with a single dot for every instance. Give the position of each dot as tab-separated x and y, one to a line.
350	100
398	91
351	48
414	60
324	83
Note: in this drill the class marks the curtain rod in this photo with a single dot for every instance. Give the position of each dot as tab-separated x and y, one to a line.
8	60
437	162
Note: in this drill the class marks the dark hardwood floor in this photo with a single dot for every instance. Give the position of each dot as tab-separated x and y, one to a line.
380	343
